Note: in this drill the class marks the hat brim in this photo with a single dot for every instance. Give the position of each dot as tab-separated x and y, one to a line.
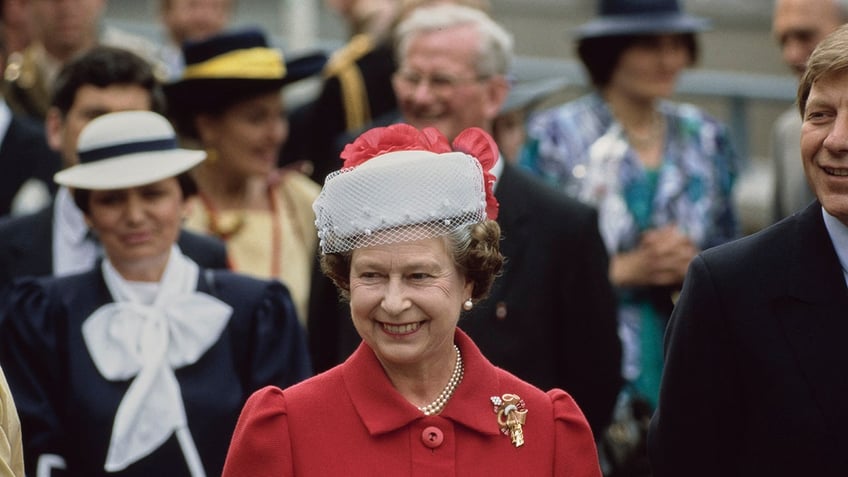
131	170
642	24
205	93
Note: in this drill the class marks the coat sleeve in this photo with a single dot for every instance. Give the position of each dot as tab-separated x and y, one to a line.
279	354
31	358
261	445
576	454
691	431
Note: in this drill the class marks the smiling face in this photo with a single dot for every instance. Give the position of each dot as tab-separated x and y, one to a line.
247	136
137	226
405	299
437	84
649	69
824	142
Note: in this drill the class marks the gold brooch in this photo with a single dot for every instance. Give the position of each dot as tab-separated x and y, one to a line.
511	414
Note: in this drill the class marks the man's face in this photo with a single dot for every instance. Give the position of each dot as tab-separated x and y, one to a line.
66	27
196	19
89	103
799	25
437	84
824	143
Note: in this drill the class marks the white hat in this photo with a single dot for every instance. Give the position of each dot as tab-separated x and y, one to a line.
400	184
127	149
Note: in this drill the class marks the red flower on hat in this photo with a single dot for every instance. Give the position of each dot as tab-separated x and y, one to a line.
397	137
402	137
477	143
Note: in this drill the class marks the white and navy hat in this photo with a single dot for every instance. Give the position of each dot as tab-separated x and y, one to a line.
127	149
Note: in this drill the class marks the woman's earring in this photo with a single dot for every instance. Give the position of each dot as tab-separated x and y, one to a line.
468	305
211	154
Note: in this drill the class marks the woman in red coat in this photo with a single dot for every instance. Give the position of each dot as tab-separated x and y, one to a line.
408	235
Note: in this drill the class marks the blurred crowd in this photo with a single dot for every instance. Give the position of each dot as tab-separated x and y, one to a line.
604	202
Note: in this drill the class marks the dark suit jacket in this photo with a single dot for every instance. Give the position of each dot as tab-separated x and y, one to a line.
551	317
24	154
26	247
756	375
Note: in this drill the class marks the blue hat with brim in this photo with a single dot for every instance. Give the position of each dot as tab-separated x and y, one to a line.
640	17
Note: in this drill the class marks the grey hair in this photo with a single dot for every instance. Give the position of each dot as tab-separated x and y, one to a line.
496	49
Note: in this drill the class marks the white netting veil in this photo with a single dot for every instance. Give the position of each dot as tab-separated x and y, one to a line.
399	197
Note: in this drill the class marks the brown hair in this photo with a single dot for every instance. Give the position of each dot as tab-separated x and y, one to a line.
600	55
476	252
829	57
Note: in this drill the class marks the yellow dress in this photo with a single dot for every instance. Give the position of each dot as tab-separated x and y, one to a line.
11	447
280	243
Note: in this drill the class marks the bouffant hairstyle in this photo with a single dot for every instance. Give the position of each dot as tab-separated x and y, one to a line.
600	55
476	252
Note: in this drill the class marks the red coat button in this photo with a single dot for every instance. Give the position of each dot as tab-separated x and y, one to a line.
432	437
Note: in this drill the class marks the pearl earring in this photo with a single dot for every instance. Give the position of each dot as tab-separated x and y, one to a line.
468	305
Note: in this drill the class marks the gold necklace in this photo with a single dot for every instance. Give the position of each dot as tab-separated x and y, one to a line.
439	404
649	138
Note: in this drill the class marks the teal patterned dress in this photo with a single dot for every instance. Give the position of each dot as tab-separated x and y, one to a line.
581	149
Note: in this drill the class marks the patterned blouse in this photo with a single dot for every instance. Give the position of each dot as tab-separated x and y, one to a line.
583	150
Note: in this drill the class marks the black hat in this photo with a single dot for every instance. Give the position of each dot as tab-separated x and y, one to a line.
232	65
635	17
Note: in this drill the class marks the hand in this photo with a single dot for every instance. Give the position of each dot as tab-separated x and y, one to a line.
660	259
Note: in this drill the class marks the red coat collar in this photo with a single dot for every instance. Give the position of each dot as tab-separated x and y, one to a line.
382	409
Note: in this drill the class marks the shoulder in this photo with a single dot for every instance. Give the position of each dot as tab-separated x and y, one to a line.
692	119
296	187
296	183
348	55
557	404
30	299
206	250
313	392
568	112
542	198
241	287
25	235
18	223
753	254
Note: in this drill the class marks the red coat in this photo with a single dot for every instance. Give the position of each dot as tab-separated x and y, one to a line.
350	421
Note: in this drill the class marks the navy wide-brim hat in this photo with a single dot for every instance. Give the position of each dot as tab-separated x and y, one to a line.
233	65
640	17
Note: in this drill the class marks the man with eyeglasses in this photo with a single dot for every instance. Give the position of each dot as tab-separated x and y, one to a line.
550	319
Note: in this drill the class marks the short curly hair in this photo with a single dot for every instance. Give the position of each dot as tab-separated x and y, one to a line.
476	253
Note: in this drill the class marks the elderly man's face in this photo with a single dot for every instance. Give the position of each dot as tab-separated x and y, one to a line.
824	143
799	25
437	84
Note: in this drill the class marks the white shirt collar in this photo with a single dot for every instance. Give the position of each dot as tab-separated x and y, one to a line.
5	118
69	217
839	236
497	171
73	249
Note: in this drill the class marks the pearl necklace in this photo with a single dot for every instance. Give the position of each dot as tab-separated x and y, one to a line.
439	404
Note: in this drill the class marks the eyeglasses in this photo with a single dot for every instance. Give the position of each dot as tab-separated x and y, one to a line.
441	84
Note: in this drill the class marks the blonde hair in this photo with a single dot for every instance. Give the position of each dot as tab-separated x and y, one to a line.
829	57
